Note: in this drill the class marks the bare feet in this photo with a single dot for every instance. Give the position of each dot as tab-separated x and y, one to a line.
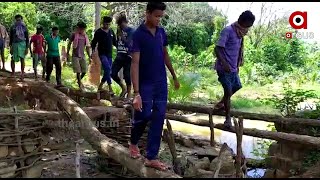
155	164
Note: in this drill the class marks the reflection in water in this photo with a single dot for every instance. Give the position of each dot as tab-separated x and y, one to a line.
248	143
256	173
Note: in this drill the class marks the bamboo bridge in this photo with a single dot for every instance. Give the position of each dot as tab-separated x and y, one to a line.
60	97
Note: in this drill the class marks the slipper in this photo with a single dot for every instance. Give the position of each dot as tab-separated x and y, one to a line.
219	106
134	151
155	164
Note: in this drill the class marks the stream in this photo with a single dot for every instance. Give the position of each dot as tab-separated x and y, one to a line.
248	143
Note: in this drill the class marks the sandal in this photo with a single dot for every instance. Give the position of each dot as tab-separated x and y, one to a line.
155	164
219	106
134	151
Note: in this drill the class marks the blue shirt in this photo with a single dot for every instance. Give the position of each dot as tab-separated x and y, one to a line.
231	43
152	67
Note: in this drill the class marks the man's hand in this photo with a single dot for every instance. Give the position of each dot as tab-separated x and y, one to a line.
176	84
137	103
226	67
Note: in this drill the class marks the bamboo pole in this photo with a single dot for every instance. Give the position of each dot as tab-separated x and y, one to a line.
212	143
278	136
245	115
239	133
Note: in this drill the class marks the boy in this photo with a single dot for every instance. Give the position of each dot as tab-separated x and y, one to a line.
105	38
79	40
38	52
229	53
123	59
148	72
3	37
53	55
19	42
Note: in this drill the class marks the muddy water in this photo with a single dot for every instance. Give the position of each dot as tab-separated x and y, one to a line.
248	143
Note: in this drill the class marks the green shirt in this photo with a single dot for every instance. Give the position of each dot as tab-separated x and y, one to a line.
53	46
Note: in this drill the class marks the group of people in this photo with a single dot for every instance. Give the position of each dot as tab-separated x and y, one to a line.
143	55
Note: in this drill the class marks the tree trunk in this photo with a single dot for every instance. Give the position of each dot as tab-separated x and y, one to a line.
100	142
278	136
97	16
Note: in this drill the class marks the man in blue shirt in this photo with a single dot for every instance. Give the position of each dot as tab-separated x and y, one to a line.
148	73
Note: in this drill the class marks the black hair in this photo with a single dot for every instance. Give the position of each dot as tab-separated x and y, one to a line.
18	16
107	19
247	16
151	6
121	19
55	28
81	25
40	28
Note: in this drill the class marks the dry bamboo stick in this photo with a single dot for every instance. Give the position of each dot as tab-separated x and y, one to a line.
212	143
239	132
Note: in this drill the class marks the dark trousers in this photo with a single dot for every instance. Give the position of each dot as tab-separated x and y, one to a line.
106	63
57	63
121	61
154	105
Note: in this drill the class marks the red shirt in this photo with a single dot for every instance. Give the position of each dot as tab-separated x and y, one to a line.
37	41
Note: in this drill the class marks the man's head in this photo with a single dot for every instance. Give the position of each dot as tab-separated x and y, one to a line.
18	18
154	13
81	27
106	22
55	30
246	19
122	22
39	30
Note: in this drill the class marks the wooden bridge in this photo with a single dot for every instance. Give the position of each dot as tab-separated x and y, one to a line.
109	147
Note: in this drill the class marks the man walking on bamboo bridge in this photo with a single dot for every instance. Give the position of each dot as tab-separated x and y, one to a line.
229	53
148	72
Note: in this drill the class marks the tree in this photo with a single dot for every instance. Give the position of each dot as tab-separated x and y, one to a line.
10	9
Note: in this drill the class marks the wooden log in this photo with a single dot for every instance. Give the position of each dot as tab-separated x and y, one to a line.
239	132
278	136
246	115
102	143
211	130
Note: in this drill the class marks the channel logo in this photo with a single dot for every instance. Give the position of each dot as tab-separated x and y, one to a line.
298	20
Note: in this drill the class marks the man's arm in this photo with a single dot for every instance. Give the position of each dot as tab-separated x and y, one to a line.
94	41
135	71
11	36
168	63
114	39
219	49
135	54
88	53
166	55
26	34
30	48
69	44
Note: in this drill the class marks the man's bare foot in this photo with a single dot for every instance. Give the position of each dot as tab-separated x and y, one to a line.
155	164
219	106
123	92
81	86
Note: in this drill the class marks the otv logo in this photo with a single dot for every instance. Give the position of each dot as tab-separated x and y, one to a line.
298	20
